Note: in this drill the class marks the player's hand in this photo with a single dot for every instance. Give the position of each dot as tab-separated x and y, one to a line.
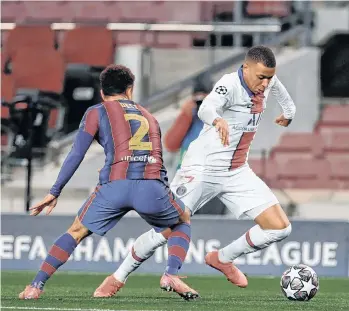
222	127
49	201
282	121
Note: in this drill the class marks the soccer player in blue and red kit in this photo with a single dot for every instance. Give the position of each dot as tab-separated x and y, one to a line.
133	177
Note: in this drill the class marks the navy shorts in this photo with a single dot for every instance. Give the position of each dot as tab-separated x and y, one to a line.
151	199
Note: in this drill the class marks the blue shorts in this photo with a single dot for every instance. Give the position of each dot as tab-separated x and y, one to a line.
151	199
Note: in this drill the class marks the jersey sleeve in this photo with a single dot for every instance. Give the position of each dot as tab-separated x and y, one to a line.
219	98
283	98
87	131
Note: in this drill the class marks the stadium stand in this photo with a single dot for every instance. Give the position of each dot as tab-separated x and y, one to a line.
311	160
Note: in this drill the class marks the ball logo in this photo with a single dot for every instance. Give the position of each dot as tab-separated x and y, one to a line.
181	190
221	90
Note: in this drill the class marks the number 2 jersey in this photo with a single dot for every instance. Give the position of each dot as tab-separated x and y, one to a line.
130	137
231	100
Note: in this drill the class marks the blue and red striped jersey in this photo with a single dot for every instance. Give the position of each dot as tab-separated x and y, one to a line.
131	138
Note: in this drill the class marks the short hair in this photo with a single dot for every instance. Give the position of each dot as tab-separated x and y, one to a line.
115	79
262	54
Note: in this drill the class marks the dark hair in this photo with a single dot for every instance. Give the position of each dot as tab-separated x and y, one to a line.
262	54
202	84
115	79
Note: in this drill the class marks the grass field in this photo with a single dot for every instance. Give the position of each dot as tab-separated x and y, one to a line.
72	292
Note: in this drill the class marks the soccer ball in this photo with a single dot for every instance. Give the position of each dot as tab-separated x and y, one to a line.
299	282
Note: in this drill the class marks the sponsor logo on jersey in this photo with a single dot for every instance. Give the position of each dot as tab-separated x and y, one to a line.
240	127
141	158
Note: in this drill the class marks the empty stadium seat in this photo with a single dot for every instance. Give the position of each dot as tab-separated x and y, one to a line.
337	142
38	36
91	45
38	68
297	145
305	174
335	116
340	172
268	8
7	87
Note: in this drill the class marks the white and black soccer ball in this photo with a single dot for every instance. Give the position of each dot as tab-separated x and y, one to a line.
299	282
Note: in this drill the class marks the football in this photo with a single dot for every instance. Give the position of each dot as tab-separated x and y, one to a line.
299	282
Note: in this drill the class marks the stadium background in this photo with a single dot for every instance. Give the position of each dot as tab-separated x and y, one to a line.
51	55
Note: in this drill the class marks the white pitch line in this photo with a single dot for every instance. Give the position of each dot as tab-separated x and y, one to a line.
63	309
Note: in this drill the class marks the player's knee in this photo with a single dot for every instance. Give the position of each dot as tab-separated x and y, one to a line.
78	231
185	217
282	234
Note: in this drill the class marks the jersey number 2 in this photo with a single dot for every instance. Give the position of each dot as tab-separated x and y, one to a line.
136	142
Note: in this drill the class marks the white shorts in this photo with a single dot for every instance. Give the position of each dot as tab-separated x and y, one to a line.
240	190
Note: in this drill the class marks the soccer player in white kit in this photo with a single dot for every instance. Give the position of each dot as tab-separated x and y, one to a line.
216	165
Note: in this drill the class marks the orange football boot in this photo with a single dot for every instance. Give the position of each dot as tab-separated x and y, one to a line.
108	288
173	283
233	274
30	293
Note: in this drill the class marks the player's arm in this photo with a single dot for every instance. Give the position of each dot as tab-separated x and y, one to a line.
83	140
285	101
212	108
175	135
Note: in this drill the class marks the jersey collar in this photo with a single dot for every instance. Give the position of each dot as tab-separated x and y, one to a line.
243	83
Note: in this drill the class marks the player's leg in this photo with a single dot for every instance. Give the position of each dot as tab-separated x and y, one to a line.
99	214
158	206
175	215
142	249
272	225
59	253
194	194
255	201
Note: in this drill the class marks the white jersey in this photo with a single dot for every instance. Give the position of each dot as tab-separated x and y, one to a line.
230	99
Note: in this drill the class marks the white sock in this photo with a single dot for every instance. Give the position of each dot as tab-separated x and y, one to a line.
253	240
143	248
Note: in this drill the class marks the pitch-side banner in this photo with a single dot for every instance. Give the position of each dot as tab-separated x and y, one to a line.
324	246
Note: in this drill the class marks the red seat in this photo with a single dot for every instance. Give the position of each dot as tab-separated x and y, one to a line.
306	173
274	8
335	115
337	142
300	143
37	36
340	172
88	45
41	69
297	146
7	87
340	169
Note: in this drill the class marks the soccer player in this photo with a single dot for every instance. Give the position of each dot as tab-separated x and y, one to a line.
133	177
215	165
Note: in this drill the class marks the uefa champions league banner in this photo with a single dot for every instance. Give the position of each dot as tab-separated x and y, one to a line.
324	246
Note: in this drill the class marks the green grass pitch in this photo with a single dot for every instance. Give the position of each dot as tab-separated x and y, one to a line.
73	291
